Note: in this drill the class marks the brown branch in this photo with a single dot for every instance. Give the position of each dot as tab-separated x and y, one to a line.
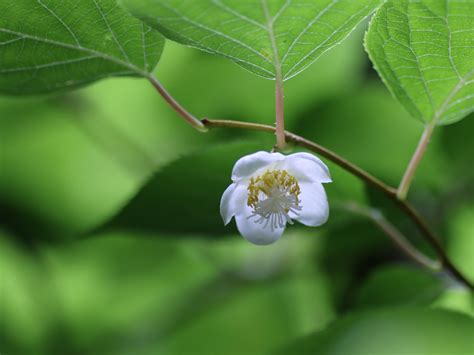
394	234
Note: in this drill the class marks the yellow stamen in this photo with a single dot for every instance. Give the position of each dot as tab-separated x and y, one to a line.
269	180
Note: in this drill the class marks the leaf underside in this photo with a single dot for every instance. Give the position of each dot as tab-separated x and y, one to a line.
268	37
49	45
424	52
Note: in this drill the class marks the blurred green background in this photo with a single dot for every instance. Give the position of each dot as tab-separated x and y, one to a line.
111	240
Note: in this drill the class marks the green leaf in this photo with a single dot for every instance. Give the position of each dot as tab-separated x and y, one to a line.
455	299
252	317
268	37
28	323
424	51
173	294
184	196
84	156
461	241
393	331
457	142
49	45
399	285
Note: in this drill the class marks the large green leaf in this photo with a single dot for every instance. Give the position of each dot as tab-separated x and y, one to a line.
48	45
68	163
424	52
398	285
264	36
393	331
184	197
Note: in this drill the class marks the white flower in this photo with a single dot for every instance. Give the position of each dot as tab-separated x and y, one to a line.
269	190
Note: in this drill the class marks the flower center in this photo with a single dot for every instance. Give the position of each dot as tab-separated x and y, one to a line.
273	195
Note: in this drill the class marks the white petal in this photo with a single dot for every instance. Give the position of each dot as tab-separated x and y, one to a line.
314	205
307	167
256	233
232	200
227	212
249	164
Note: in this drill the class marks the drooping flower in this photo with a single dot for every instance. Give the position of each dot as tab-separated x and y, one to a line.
270	190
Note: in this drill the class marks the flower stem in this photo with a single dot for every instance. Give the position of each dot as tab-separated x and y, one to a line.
280	114
193	121
415	161
279	93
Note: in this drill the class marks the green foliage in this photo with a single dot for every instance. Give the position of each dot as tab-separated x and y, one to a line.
392	331
115	157
457	140
121	294
192	205
423	51
399	285
51	45
461	247
273	309
456	299
68	163
270	38
65	196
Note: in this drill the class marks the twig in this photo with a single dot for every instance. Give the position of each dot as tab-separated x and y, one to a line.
394	234
193	121
280	114
279	93
415	161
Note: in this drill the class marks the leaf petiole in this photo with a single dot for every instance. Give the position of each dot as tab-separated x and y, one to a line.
415	161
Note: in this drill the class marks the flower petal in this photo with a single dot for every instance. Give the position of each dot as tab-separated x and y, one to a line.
232	201
307	167
249	164
227	212
314	205
256	233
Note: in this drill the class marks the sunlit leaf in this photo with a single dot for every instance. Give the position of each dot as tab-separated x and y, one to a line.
268	37
456	299
49	45
424	51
